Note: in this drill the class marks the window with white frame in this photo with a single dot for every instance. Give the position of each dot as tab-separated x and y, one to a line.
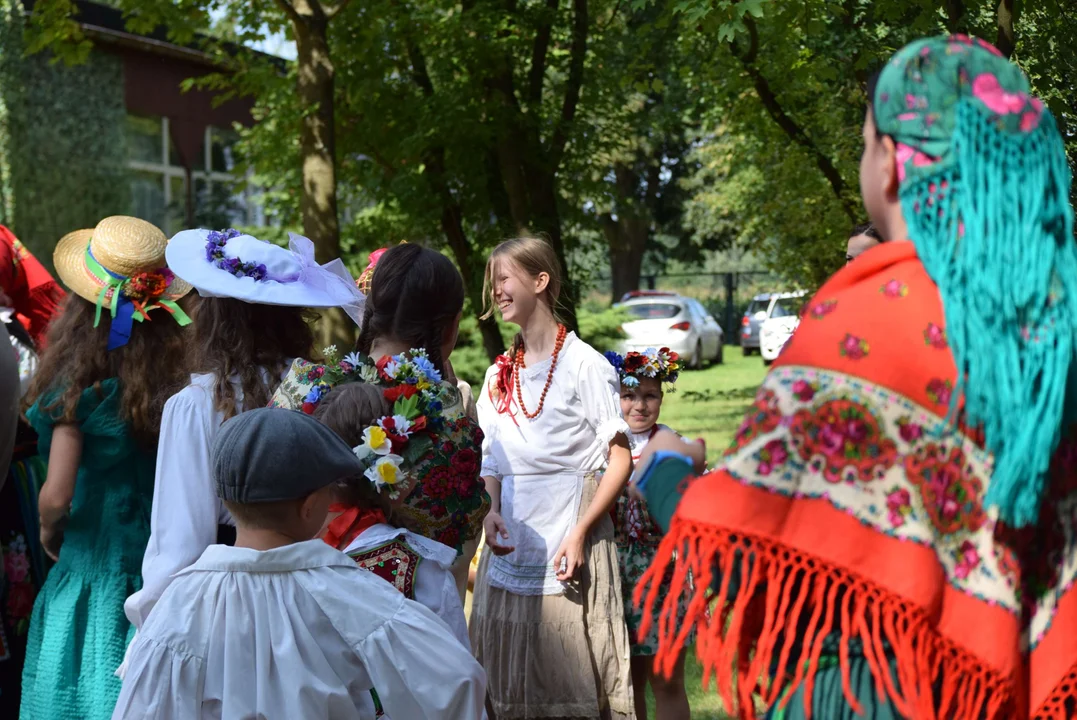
159	192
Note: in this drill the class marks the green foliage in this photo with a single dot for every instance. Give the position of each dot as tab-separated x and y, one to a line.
61	140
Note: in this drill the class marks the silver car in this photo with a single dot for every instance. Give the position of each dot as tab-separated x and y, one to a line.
749	324
669	320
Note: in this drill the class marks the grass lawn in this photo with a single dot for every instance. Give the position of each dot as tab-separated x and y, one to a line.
710	404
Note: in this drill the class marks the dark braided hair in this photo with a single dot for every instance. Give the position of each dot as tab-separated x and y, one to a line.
415	295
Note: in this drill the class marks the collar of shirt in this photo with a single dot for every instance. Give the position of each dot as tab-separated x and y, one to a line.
297	556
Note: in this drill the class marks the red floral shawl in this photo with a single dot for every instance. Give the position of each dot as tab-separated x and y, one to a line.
847	475
34	293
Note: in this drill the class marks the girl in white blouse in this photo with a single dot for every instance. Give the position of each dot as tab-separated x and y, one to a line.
548	624
249	325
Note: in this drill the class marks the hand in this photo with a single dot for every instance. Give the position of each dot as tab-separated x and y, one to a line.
571	553
496	531
667	440
51	540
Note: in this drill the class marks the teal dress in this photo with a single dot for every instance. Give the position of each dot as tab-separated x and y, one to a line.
78	632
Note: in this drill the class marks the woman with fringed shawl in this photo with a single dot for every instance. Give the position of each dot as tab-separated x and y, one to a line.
894	531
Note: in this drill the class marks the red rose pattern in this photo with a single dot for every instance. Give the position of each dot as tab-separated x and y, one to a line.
949	488
842	439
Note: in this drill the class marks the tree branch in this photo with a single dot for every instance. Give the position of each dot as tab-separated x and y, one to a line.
578	53
791	128
537	73
331	11
290	11
1006	15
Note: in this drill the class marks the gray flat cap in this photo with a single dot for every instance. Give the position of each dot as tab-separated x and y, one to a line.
273	454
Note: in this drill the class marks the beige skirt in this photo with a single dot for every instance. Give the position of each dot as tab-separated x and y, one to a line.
558	656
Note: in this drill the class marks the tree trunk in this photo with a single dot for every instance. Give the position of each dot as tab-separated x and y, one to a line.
317	146
627	241
1006	40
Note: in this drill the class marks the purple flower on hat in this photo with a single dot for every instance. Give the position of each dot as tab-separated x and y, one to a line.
215	242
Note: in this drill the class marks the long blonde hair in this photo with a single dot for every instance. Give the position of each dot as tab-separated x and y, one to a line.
533	255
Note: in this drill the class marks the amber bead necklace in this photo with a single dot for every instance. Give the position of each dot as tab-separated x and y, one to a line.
561	332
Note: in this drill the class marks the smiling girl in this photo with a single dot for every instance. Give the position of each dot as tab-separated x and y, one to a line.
548	623
642	376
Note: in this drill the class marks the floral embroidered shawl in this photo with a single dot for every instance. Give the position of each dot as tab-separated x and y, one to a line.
850	504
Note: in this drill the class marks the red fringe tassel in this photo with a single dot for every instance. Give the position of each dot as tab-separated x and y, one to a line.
738	642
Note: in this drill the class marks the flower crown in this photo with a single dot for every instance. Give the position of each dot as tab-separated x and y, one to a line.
395	443
662	365
215	243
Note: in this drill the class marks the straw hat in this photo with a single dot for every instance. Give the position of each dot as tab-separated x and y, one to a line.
124	246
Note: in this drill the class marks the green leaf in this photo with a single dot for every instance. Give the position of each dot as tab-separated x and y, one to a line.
408	407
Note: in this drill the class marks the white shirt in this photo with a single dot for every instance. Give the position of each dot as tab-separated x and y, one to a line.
435	586
186	509
541	462
294	632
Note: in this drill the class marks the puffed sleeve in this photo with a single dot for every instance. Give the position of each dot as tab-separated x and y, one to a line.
161	683
420	670
488	422
98	417
599	391
185	508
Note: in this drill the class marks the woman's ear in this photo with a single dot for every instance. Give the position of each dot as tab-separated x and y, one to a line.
542	281
890	167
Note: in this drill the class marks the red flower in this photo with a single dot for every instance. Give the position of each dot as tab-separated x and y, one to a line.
633	362
20	600
466	461
380	365
803	390
910	431
308	408
395	393
438	484
449	536
418	424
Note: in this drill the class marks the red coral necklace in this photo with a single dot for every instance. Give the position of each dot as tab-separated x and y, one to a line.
561	332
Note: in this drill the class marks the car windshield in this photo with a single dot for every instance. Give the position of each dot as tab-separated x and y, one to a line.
780	310
653	311
757	306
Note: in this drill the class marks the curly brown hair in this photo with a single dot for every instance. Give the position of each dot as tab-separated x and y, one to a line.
149	367
252	342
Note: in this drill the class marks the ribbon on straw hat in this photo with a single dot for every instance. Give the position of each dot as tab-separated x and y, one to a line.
120	265
367	276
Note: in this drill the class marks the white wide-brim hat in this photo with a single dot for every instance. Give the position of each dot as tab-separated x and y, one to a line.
290	277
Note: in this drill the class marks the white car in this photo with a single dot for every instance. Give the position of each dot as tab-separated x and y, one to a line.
669	320
783	317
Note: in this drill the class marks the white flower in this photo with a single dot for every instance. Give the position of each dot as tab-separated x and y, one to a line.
400	425
353	359
330	351
376	440
368	373
386	471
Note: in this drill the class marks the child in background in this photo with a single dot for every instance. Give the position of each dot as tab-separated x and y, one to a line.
281	625
642	376
418	567
548	618
114	354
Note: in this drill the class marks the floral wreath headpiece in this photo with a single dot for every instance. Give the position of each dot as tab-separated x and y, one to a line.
395	443
662	365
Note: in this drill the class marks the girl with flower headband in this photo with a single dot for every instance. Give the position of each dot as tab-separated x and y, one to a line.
362	524
547	619
409	329
114	354
893	531
643	377
251	322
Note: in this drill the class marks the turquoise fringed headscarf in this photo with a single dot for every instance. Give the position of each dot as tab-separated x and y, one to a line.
984	189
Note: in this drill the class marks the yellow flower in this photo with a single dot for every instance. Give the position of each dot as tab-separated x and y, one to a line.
423	384
386	471
377	440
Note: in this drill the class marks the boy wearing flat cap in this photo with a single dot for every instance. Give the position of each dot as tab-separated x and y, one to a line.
282	625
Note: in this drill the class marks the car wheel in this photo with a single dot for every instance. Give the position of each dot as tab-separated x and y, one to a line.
718	359
746	350
767	363
697	356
